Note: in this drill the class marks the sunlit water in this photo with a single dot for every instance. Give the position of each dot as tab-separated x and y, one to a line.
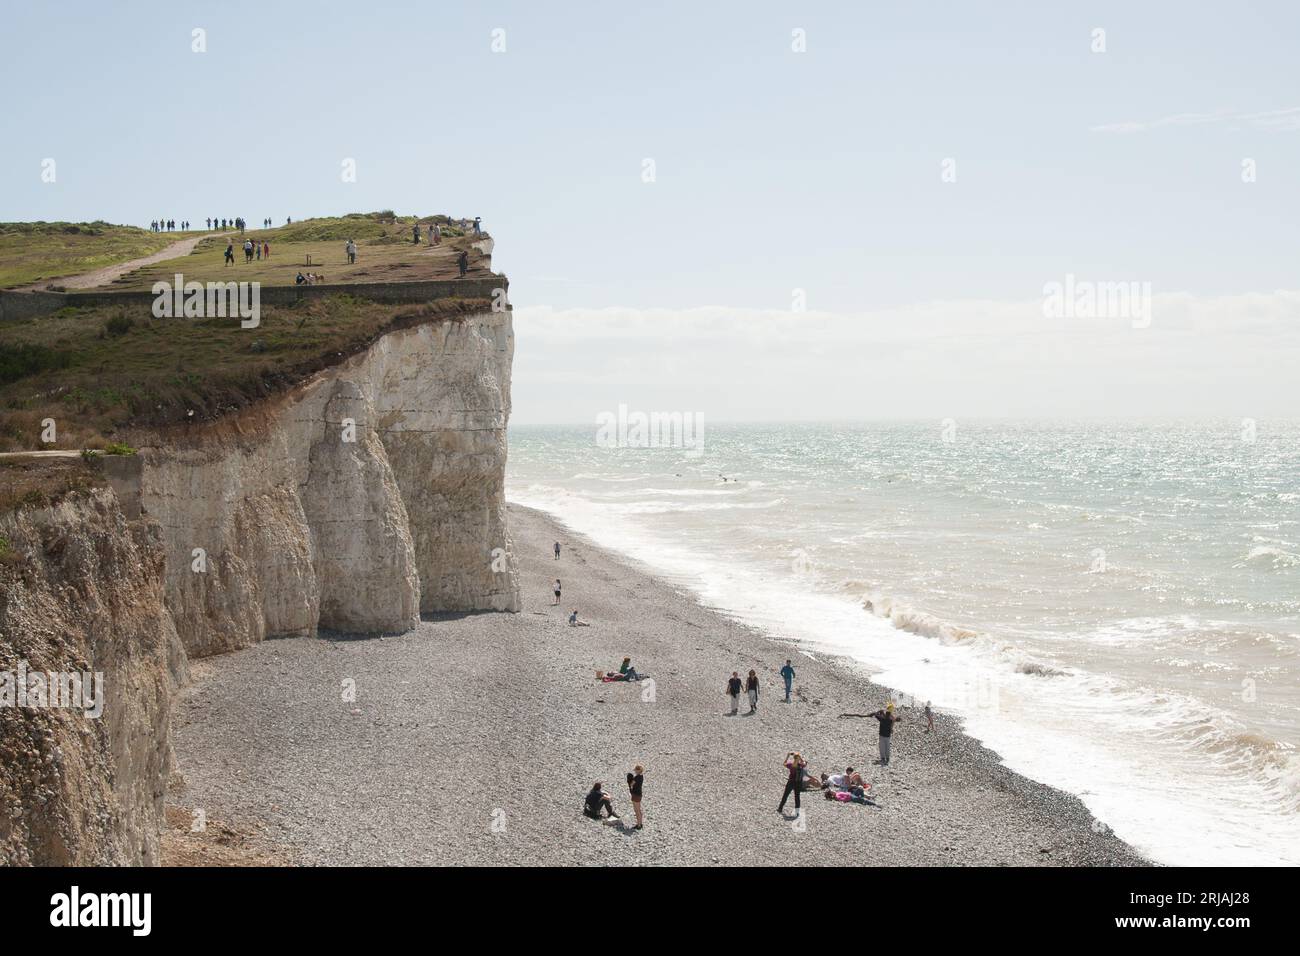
1113	608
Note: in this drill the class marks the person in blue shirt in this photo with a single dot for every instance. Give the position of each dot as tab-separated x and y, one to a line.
787	675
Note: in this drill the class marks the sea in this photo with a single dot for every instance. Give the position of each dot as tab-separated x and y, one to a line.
1112	607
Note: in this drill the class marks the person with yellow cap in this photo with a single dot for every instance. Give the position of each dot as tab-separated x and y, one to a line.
887	719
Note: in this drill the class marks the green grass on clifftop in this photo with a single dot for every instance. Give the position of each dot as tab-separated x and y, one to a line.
385	253
103	373
35	251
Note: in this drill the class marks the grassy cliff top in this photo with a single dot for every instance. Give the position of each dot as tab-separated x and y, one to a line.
385	253
103	373
35	251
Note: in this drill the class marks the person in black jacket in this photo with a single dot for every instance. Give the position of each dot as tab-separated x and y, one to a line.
887	720
798	767
733	690
635	782
597	798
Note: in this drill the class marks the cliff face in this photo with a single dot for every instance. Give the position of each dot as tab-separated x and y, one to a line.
85	596
372	493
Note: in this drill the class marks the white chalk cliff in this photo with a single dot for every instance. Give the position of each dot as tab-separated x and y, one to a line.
370	494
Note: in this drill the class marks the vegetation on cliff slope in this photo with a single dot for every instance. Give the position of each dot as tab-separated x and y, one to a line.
100	372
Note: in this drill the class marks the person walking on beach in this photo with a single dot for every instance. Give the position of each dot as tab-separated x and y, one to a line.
797	766
733	690
929	718
787	675
635	783
751	688
887	721
557	551
596	799
557	593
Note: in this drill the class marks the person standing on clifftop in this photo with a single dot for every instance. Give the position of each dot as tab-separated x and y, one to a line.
436	237
416	233
463	262
351	250
230	252
787	675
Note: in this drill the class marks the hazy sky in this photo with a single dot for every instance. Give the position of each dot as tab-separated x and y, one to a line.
782	180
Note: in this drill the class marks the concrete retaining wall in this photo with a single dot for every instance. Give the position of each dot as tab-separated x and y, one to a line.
26	305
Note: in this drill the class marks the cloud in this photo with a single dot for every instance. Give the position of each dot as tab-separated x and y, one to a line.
1285	120
1200	355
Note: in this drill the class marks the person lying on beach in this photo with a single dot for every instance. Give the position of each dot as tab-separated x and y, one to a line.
811	781
847	780
856	795
597	798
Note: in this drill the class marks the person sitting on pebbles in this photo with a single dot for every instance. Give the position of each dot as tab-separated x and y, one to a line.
625	672
596	799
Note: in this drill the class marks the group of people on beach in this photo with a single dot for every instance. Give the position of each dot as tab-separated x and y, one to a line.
848	786
751	685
